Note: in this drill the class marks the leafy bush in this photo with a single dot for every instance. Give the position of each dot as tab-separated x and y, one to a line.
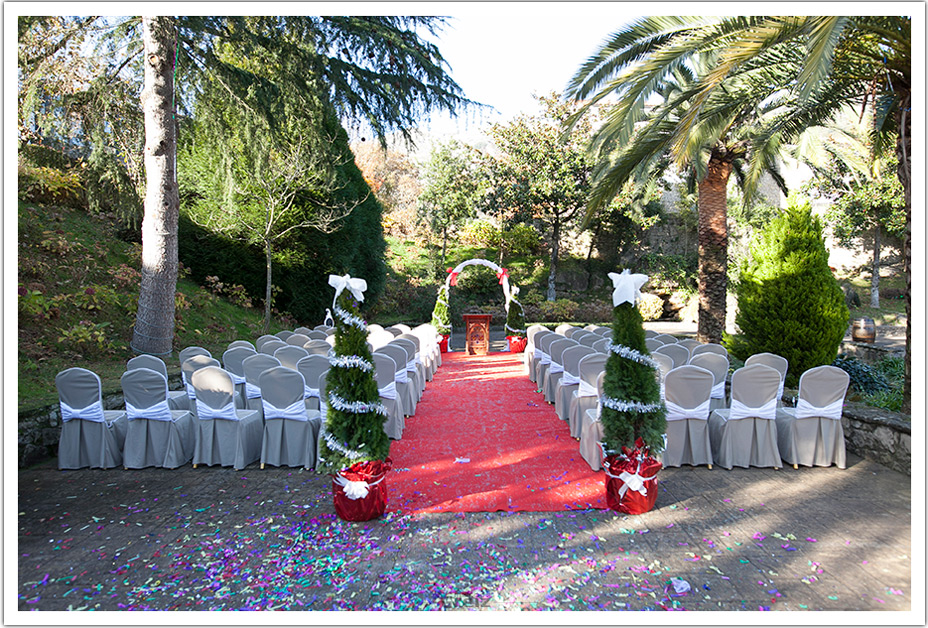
650	306
480	233
522	239
86	338
49	185
864	378
789	303
887	399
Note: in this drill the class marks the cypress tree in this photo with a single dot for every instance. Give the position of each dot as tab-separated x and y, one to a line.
632	406
354	420
789	303
515	317
441	319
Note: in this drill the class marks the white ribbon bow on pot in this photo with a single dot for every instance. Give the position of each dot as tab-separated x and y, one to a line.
355	285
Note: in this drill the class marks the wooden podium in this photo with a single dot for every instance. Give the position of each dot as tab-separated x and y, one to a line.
477	333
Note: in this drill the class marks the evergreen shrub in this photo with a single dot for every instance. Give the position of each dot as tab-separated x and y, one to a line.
353	430
630	382
515	319
441	318
789	303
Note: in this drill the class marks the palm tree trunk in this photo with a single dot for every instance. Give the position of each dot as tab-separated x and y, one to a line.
713	249
875	270
555	249
154	322
904	172
267	287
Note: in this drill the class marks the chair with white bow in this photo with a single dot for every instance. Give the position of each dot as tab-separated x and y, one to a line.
297	340
591	430
811	434
773	360
241	343
528	353
745	434
414	364
556	369
428	369
262	339
428	348
652	344
543	344
664	366
687	391
424	374
405	388
586	396
311	367
177	399
290	355
156	436
189	352
678	353
570	379
269	347
709	347
226	435
290	430
253	366
187	368
379	337
90	436
385	376
717	364
232	362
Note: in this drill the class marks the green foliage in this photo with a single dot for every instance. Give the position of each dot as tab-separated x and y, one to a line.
789	303
441	319
480	233
88	338
49	184
358	432
650	306
892	399
451	189
515	319
865	379
629	381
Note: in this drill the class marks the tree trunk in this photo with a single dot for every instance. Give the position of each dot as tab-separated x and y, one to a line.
713	249
904	172
875	273
555	249
154	322
267	287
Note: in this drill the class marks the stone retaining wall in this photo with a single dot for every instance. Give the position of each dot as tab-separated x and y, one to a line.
870	353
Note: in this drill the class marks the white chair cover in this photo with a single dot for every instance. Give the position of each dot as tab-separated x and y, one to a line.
388	391
805	410
296	411
687	399
745	435
812	434
225	435
95	441
160	411
92	412
678	413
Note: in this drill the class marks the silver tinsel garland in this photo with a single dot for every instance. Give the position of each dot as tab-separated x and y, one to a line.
343	450
350	319
351	361
633	355
356	407
630	406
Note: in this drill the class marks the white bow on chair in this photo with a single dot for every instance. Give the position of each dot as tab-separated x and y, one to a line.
627	287
356	286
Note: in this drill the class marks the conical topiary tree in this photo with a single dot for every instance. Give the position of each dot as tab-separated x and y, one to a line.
632	406
515	316
353	430
441	319
789	303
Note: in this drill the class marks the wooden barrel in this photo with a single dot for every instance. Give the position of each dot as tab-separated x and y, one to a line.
863	330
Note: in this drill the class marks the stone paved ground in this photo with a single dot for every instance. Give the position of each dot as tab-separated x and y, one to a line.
215	538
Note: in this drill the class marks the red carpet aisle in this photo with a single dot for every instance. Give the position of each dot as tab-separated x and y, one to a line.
483	440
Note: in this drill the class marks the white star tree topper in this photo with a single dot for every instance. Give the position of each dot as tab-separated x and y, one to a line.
627	287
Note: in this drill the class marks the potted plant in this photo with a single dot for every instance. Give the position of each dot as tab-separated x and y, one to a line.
515	323
632	411
441	319
353	448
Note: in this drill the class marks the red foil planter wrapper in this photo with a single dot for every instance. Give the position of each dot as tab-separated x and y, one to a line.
637	461
365	508
517	344
443	345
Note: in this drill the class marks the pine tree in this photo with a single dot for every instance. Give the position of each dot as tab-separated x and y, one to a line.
354	420
441	319
789	303
632	406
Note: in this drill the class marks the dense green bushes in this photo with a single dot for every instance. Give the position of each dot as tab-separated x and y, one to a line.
789	303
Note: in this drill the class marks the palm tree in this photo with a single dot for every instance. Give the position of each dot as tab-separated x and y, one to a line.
640	139
816	63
